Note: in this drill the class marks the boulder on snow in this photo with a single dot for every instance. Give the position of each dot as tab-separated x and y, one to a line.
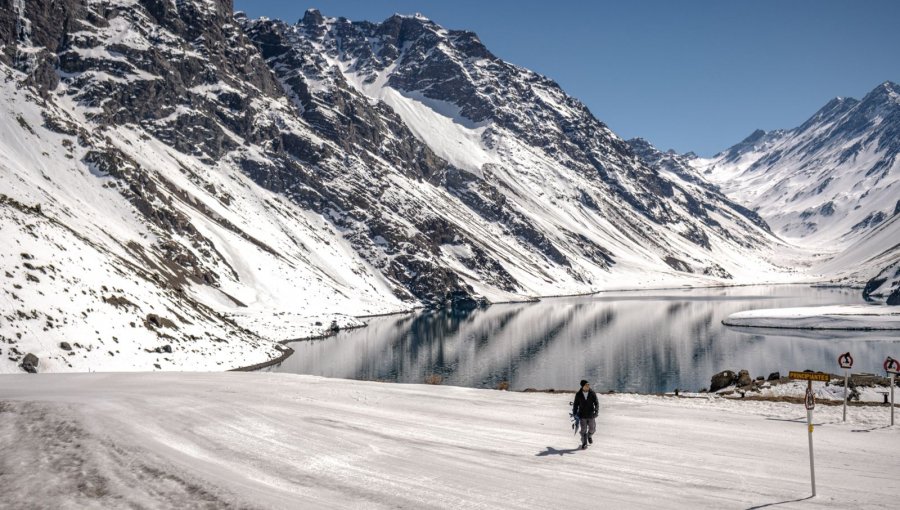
30	363
744	378
65	346
774	376
721	380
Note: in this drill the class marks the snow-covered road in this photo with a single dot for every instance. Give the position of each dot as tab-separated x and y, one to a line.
262	440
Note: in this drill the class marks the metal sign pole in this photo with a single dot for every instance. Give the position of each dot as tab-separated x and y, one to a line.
846	384
810	402
892	367
809	421
846	362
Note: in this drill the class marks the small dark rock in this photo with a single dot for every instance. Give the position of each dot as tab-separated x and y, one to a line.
30	363
65	346
774	376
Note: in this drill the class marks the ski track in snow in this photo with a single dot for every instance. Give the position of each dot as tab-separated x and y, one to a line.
263	440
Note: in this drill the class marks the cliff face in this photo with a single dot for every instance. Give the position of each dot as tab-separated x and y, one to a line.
193	173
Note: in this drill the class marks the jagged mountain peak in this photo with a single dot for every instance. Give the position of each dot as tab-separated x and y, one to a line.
312	17
226	169
886	94
831	182
890	87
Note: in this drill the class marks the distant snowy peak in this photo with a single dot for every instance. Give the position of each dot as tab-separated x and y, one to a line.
830	180
832	183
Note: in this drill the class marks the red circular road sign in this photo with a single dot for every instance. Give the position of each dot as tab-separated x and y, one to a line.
845	360
891	365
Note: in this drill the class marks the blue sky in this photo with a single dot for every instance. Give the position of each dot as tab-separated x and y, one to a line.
689	75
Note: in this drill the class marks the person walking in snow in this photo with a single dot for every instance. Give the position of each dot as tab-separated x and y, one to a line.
585	409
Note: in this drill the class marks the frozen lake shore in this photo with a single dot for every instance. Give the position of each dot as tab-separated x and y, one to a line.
837	317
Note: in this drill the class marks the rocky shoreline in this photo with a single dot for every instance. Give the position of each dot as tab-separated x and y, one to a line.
728	382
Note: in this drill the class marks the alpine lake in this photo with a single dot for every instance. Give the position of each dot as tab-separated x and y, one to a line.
637	341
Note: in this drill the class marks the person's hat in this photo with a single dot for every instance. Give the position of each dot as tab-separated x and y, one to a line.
583	382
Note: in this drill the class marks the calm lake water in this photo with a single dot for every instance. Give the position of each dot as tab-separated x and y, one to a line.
647	341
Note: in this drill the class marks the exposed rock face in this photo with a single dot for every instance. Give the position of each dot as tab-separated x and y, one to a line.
416	68
197	165
885	286
721	380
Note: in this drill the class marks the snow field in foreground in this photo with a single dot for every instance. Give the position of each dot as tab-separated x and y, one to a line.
263	440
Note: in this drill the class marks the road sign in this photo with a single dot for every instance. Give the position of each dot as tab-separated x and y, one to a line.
891	365
810	376
845	360
810	402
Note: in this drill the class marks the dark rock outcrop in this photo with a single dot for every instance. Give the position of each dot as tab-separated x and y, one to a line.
721	380
30	363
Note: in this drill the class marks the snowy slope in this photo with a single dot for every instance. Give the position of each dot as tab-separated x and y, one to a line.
528	158
141	255
832	184
282	441
181	186
829	181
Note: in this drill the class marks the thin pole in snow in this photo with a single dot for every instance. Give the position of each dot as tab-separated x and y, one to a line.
809	422
846	384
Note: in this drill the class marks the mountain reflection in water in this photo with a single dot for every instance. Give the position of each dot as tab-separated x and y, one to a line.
647	341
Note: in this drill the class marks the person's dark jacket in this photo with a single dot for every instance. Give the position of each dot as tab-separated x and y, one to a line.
586	408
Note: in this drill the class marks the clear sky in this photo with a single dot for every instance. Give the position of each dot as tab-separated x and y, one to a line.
690	75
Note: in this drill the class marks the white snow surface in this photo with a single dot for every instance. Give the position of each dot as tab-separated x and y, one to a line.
262	440
850	317
832	392
830	184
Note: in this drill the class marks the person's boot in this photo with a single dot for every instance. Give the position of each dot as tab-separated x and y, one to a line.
591	439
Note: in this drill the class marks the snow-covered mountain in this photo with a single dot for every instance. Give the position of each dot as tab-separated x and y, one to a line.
554	185
181	185
832	183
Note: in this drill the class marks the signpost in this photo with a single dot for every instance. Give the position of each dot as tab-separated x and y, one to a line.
892	367
846	362
810	402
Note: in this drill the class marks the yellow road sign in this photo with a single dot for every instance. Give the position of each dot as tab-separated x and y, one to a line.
810	376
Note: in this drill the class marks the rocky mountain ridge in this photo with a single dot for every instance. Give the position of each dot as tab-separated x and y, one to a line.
177	176
832	183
